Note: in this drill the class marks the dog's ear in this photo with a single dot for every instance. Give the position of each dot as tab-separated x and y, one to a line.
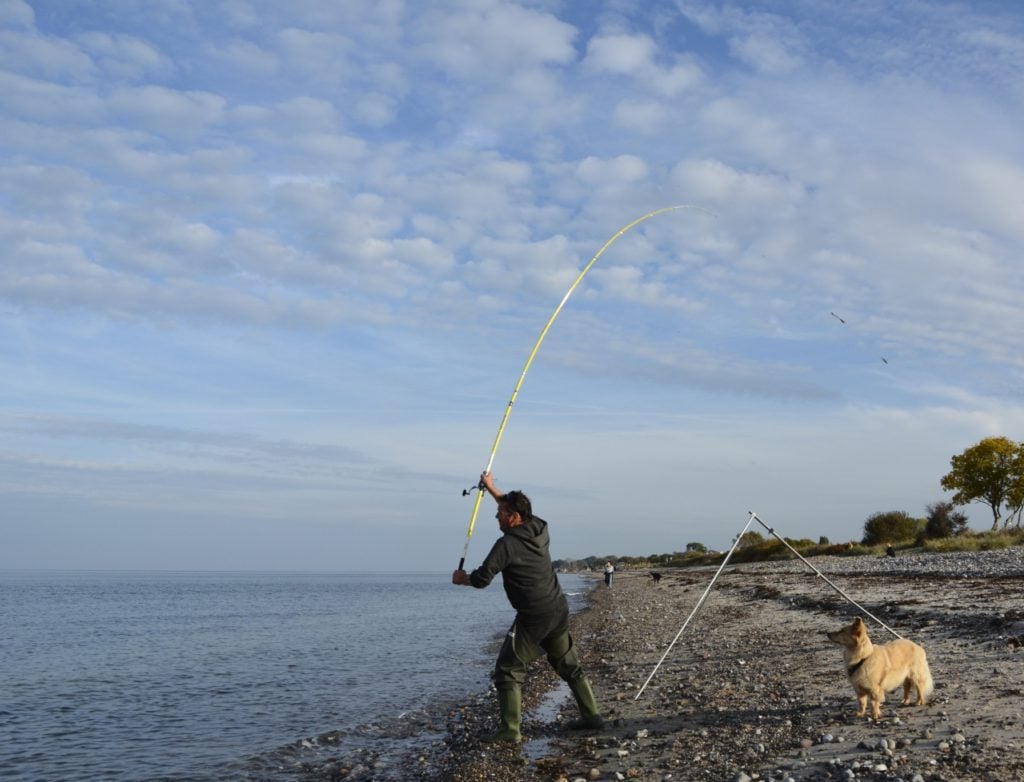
858	626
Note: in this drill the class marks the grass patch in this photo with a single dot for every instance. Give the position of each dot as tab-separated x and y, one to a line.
771	549
977	541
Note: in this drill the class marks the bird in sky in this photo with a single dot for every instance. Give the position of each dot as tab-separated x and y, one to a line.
885	360
837	317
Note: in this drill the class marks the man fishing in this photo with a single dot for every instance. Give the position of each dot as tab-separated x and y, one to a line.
542	612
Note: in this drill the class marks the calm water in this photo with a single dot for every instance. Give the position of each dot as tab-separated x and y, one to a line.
218	676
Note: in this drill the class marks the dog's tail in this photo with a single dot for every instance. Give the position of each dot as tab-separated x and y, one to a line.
927	685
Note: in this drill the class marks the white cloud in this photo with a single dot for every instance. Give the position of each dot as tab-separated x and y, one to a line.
45	57
489	39
766	53
330	149
630	284
60	195
54	259
760	133
172	113
643	116
714	182
38	100
636	56
424	253
17	14
626	168
622	54
324	56
1001	43
376	110
247	57
997	187
125	57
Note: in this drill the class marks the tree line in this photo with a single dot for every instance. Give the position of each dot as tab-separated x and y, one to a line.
991	472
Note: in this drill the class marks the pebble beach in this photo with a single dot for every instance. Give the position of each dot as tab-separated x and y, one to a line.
753	690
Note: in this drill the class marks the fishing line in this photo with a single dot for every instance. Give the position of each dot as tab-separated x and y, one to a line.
533	353
821	575
752	518
696	608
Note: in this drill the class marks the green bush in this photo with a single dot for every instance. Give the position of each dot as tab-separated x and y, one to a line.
944	521
801	543
761	550
891	527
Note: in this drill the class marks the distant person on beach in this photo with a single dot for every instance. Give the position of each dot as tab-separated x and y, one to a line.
542	613
609	571
890	551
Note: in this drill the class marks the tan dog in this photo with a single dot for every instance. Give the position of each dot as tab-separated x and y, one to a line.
874	670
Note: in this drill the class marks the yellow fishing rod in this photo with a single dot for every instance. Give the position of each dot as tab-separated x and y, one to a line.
533	353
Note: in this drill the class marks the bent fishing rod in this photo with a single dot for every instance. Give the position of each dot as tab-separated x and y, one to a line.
529	360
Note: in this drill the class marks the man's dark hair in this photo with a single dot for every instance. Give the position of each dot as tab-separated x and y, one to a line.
517	502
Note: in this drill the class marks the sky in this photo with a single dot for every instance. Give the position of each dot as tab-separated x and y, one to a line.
271	271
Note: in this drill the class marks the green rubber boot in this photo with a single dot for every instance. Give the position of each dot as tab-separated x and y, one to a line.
510	707
590	716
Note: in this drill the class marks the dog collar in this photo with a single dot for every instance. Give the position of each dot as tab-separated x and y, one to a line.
852	669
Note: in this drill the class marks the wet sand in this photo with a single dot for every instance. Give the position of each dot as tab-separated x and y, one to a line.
754	690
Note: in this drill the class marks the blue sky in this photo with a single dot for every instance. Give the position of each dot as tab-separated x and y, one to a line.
271	270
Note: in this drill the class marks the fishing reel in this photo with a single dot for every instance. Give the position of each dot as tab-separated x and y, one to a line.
479	487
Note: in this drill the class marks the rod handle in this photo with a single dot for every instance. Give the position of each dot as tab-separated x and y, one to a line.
462	561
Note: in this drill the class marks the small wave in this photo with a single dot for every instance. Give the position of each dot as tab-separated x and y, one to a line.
373	751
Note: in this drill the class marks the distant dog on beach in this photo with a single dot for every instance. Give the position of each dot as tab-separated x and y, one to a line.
874	670
655	576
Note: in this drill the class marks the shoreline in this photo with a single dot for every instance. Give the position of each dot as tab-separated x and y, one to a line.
753	690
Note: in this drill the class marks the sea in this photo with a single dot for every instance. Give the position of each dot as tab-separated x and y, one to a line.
189	676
